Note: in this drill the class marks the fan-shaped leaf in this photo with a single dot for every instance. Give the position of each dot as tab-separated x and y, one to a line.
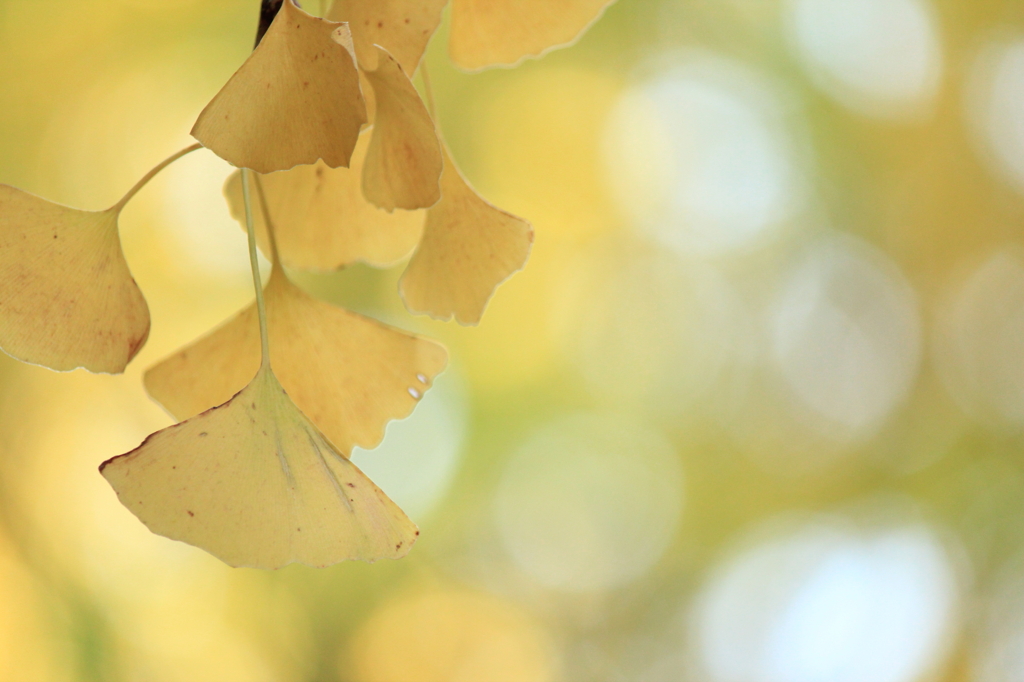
255	484
67	298
468	248
295	100
350	375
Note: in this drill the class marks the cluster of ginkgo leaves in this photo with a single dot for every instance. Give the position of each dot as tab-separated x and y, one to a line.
340	161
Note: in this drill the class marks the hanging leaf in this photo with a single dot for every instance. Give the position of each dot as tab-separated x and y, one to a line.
254	483
468	248
349	374
295	100
503	32
323	222
67	298
402	27
403	165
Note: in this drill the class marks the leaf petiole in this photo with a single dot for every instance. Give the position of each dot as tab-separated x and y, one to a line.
152	174
261	308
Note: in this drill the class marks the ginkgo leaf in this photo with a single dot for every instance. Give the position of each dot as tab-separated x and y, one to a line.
255	483
468	248
349	374
403	165
402	27
67	298
295	100
321	219
503	32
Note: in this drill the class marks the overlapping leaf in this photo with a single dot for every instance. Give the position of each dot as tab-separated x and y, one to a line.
254	483
350	375
403	165
295	100
468	248
323	222
67	298
402	27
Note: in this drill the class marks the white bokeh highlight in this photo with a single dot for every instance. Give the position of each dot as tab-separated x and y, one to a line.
979	345
589	502
845	335
825	602
881	58
701	157
420	455
995	99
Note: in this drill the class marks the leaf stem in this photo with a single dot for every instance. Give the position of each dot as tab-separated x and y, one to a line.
261	308
152	174
271	233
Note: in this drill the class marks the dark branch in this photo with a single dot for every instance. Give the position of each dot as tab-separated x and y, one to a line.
268	10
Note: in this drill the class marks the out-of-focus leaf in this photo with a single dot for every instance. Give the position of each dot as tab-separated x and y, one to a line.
503	32
321	219
349	374
403	165
402	27
255	483
295	100
468	248
67	298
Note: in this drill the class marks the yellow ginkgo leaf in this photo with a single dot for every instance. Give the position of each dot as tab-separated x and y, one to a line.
403	165
295	100
503	32
349	374
67	298
321	219
468	248
402	27
255	483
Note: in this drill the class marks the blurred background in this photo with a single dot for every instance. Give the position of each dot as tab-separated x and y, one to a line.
752	413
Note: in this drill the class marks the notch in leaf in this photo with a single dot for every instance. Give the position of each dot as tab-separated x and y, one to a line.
295	100
67	297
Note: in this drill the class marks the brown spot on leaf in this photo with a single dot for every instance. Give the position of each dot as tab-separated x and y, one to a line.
203	434
190	513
